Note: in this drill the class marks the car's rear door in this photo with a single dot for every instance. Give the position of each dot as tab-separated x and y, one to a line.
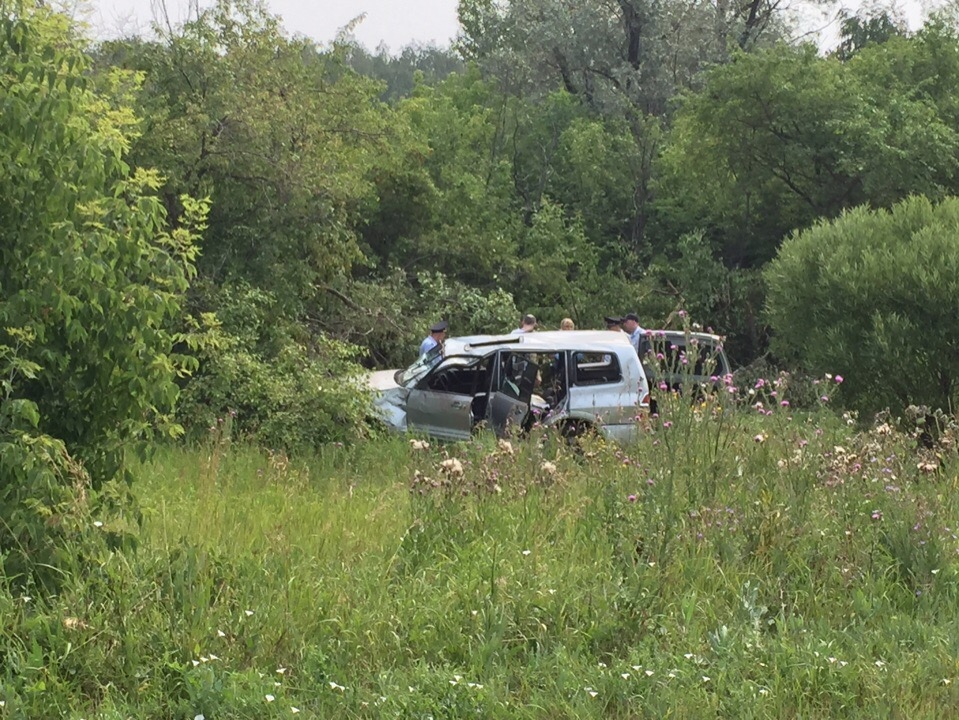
512	389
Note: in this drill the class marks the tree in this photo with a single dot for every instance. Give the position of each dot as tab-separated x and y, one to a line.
91	283
782	137
448	205
873	296
282	138
288	141
401	73
857	32
610	53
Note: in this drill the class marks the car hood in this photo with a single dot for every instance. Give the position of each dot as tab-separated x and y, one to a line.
382	380
389	399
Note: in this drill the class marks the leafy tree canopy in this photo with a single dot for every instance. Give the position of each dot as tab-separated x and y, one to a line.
782	137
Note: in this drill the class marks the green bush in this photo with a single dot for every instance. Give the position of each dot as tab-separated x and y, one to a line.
390	314
269	378
90	284
873	296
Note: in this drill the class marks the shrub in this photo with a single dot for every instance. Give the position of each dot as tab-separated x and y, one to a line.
90	282
873	295
278	384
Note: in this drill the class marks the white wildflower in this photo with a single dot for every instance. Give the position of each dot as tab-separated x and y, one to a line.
452	466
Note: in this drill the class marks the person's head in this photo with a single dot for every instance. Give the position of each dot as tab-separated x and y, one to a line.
630	322
614	323
438	331
567	324
528	322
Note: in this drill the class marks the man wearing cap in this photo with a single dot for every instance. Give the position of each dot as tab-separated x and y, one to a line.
436	337
633	329
614	323
527	324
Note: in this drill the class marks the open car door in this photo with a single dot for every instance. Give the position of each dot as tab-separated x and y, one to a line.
512	389
441	404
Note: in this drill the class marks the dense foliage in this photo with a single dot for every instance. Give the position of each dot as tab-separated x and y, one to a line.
874	295
652	160
92	282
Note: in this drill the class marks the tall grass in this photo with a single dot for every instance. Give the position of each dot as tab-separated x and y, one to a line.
730	564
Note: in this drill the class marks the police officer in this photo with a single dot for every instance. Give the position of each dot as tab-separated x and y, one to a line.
632	328
436	337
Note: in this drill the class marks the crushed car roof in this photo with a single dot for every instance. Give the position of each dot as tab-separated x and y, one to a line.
545	341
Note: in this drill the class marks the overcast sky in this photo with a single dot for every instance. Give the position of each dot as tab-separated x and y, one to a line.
394	22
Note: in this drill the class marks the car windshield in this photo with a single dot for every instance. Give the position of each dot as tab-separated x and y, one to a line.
415	372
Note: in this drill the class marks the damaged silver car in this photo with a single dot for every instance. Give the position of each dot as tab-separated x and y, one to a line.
575	380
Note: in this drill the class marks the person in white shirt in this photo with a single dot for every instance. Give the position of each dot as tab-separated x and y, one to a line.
527	324
633	329
436	337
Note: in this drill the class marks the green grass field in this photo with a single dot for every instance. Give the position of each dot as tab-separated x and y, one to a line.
733	565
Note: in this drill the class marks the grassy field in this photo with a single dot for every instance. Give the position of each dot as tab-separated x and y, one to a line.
736	565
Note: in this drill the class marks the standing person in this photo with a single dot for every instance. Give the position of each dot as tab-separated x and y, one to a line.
527	324
436	337
567	324
632	327
614	323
